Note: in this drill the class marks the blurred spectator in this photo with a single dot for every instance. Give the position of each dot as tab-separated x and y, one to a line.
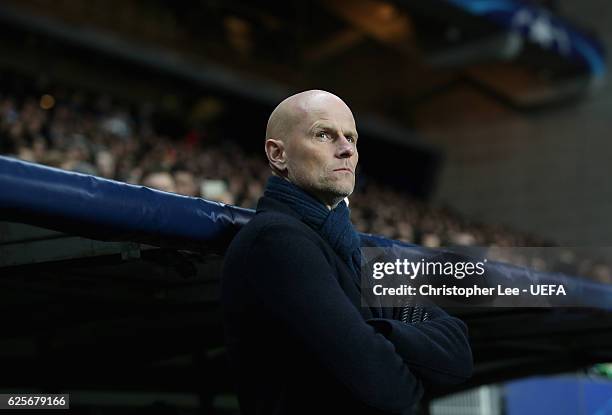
117	124
185	181
105	163
159	180
602	273
431	240
216	190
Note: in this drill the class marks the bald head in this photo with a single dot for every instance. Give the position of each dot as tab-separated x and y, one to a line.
294	110
311	140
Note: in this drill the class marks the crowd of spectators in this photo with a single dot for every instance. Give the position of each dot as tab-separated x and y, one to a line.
96	136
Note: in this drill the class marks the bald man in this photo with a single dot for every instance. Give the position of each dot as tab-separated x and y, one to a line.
298	339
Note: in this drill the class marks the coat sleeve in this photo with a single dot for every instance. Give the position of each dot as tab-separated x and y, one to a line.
293	279
436	350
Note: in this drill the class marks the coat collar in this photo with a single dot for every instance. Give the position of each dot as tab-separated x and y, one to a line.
267	204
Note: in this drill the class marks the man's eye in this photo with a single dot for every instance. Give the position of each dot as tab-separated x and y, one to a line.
323	135
350	139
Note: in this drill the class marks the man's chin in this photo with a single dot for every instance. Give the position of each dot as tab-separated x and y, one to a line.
332	194
339	194
341	188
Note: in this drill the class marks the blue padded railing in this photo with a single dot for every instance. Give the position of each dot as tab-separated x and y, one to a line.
103	209
109	210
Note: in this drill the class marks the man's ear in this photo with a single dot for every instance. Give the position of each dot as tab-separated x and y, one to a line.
275	150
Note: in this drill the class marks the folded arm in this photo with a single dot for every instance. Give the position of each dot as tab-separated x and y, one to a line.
436	350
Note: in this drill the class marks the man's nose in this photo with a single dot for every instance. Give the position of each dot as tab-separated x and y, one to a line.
345	148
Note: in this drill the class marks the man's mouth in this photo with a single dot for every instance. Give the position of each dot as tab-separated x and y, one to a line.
344	169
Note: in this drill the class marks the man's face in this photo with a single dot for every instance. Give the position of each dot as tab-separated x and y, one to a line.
322	151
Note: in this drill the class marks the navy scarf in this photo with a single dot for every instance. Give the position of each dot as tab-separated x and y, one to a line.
333	225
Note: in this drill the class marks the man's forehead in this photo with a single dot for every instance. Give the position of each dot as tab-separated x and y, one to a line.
328	111
346	125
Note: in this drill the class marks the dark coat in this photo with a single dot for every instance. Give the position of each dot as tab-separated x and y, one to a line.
300	343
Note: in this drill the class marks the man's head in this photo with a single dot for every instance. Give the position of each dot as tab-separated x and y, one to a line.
311	140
